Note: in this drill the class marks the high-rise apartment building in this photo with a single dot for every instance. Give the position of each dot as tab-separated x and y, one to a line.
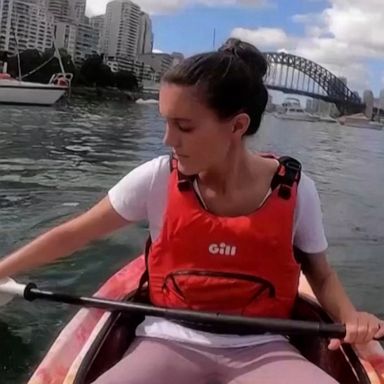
145	40
66	35
97	23
25	24
67	10
77	11
73	32
60	9
160	62
121	29
87	40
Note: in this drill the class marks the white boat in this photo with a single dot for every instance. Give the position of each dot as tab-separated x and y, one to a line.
326	119
13	91
359	120
147	101
17	91
292	110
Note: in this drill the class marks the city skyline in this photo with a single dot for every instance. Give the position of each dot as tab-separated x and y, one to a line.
342	36
123	34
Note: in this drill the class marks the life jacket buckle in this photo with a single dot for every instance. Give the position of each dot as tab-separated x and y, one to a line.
285	191
293	166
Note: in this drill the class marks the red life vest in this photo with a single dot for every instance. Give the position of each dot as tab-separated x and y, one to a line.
235	265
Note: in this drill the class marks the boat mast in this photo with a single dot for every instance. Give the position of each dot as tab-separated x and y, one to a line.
59	58
7	35
4	59
17	46
57	52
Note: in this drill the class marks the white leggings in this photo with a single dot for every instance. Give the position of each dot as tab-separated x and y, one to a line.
155	361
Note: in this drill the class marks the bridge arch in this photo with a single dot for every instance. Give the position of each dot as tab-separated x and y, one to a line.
294	74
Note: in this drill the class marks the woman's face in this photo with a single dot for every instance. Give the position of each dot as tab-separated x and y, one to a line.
199	139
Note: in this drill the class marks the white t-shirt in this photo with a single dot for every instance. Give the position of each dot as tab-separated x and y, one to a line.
142	195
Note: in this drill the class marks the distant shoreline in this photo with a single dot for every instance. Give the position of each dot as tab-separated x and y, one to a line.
112	94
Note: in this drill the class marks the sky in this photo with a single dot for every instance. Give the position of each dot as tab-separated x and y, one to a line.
345	36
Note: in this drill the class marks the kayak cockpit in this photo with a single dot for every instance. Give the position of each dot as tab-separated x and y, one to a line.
118	333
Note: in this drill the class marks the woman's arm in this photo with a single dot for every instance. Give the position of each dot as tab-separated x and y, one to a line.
361	326
326	285
64	239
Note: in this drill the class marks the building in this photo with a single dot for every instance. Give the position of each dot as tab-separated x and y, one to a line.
368	100
177	58
60	9
79	40
25	25
66	34
72	30
72	11
160	62
77	11
142	71
381	100
87	40
313	105
325	108
121	29
145	38
97	23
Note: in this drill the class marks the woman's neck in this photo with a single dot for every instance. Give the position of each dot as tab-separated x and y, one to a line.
239	170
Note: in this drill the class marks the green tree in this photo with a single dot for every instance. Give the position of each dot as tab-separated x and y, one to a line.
126	80
89	70
95	73
105	78
31	59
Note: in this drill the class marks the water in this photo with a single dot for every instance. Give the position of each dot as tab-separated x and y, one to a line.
57	162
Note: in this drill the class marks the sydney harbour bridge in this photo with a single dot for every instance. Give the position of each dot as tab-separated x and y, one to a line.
296	75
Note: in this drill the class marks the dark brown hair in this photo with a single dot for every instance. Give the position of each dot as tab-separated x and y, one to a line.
229	80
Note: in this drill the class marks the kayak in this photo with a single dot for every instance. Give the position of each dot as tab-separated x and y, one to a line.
94	340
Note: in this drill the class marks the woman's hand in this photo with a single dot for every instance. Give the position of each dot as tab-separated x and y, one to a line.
361	327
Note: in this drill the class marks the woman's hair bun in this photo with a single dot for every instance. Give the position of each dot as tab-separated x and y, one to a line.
248	53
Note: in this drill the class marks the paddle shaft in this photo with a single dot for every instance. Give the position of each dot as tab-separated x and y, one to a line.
256	325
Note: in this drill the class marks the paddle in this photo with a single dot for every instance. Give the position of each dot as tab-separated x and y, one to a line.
9	289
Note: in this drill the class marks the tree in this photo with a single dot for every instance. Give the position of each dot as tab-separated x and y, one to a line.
89	71
105	78
95	73
31	59
126	80
3	56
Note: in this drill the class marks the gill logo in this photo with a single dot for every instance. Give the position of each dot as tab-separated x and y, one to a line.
222	249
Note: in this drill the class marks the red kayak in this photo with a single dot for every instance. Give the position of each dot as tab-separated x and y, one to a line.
95	340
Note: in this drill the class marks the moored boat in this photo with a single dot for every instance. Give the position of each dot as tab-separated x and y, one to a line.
291	110
95	340
13	91
326	119
147	101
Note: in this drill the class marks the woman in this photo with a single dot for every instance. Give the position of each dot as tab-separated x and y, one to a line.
224	223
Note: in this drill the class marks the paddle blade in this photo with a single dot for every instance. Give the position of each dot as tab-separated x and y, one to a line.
9	289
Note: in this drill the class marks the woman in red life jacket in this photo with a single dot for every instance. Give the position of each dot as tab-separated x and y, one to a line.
224	222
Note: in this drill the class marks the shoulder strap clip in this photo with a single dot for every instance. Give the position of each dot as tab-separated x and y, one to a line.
289	172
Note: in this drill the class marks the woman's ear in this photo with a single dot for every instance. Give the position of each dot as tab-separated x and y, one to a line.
241	124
